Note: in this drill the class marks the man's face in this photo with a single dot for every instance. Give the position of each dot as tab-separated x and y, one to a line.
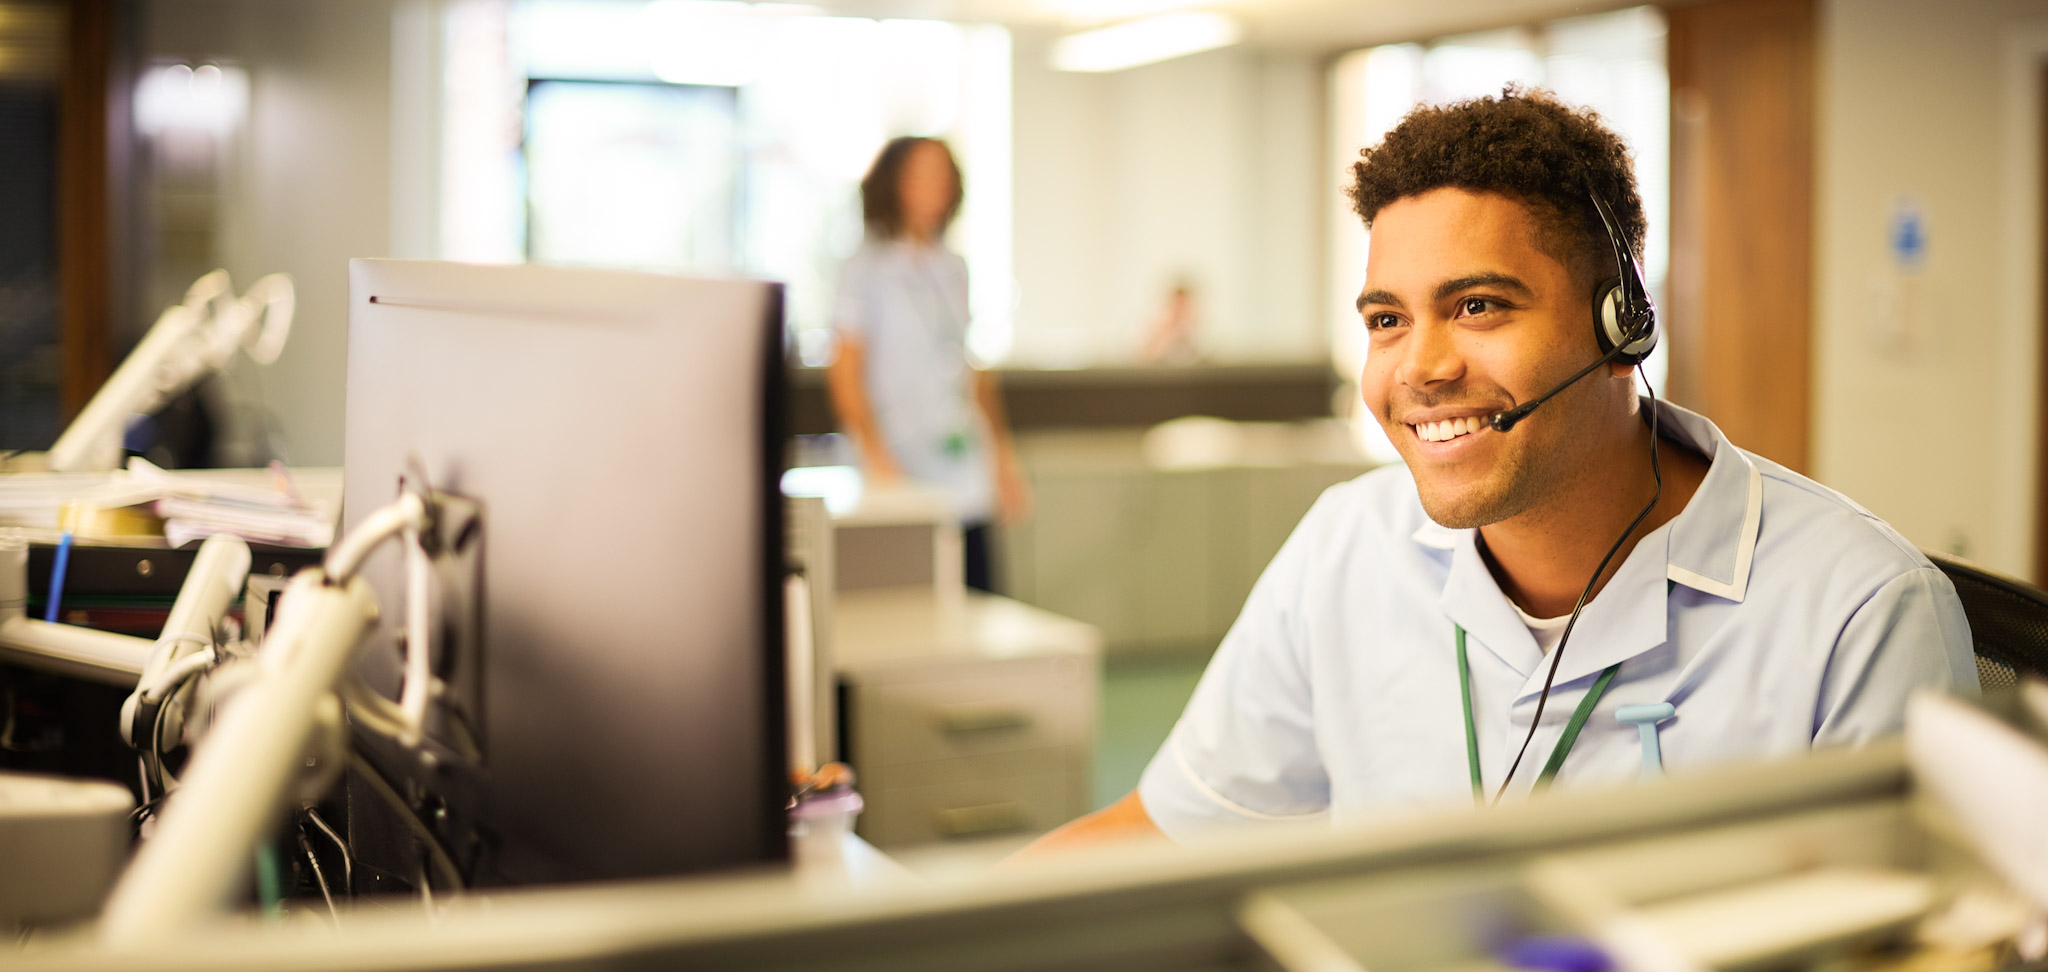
1467	317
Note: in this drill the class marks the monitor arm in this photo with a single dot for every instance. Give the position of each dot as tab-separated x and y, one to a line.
242	776
188	342
101	656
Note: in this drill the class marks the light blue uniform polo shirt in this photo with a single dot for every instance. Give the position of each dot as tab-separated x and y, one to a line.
1773	613
907	304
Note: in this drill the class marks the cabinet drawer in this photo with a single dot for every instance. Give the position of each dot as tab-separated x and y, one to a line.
968	809
1071	761
960	711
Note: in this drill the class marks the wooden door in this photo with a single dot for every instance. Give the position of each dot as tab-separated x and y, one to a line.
84	213
2041	413
1739	314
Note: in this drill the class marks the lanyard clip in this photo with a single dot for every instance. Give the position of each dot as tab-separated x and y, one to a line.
1645	719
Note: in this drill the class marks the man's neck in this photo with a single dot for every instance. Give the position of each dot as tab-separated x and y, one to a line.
1543	557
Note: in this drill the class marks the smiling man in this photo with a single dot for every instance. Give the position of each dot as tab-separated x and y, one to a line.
1416	642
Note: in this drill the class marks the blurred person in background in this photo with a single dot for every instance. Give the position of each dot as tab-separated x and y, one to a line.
901	380
1170	337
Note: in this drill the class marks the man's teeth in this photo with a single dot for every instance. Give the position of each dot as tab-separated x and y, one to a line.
1448	428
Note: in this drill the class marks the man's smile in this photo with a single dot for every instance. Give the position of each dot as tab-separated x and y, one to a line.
1447	429
1446	424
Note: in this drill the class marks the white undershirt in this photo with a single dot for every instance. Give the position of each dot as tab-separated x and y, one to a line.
1546	631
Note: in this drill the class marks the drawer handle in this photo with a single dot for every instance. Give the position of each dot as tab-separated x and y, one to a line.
983	819
963	720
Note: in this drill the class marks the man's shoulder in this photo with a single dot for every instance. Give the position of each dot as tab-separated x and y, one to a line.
1381	501
1815	524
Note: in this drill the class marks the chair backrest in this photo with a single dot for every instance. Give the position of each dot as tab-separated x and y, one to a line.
2008	621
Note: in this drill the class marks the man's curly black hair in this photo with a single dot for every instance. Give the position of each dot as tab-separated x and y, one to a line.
1524	144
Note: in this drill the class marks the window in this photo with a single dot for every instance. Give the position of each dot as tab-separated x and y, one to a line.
632	174
714	137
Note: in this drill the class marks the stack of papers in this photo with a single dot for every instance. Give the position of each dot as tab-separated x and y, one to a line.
194	509
187	519
191	507
36	501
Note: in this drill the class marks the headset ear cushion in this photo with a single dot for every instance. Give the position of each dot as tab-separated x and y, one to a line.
1607	326
1607	315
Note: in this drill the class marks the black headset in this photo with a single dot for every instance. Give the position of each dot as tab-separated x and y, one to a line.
1622	312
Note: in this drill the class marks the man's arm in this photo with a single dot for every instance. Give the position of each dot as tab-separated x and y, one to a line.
1122	821
846	379
1244	751
1910	634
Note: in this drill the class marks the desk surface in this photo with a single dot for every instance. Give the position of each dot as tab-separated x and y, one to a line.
1141	905
886	627
835	858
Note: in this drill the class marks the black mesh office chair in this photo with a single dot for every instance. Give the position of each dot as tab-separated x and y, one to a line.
2008	621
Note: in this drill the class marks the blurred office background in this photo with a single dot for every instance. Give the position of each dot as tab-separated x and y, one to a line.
1845	199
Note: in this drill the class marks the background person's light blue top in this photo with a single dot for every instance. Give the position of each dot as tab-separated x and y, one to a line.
1794	618
907	304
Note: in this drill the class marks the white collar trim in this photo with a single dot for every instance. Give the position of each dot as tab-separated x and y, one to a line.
1708	438
1745	545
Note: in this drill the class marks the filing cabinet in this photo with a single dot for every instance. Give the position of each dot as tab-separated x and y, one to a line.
966	717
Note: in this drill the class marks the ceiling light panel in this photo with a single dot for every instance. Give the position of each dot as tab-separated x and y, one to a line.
1146	41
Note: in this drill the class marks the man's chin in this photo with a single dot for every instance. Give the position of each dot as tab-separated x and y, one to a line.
1457	519
1463	509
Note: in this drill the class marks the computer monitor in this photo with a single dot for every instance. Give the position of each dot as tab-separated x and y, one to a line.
622	433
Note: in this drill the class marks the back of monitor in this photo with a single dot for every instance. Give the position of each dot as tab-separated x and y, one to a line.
621	433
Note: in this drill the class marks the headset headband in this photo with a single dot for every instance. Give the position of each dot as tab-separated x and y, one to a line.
1634	309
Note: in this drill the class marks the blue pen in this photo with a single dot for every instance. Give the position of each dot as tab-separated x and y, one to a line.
1645	719
57	569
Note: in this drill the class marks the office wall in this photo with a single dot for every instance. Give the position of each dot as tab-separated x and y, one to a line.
308	183
1925	385
1206	167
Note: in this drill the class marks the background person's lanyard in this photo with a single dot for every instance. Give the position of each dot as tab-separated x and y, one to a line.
1564	742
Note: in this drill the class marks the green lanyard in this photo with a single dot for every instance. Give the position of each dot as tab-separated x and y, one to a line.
1564	742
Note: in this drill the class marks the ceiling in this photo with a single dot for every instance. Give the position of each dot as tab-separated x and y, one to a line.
1317	26
1301	25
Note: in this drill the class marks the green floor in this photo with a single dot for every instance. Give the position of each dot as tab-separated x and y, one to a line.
1141	698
